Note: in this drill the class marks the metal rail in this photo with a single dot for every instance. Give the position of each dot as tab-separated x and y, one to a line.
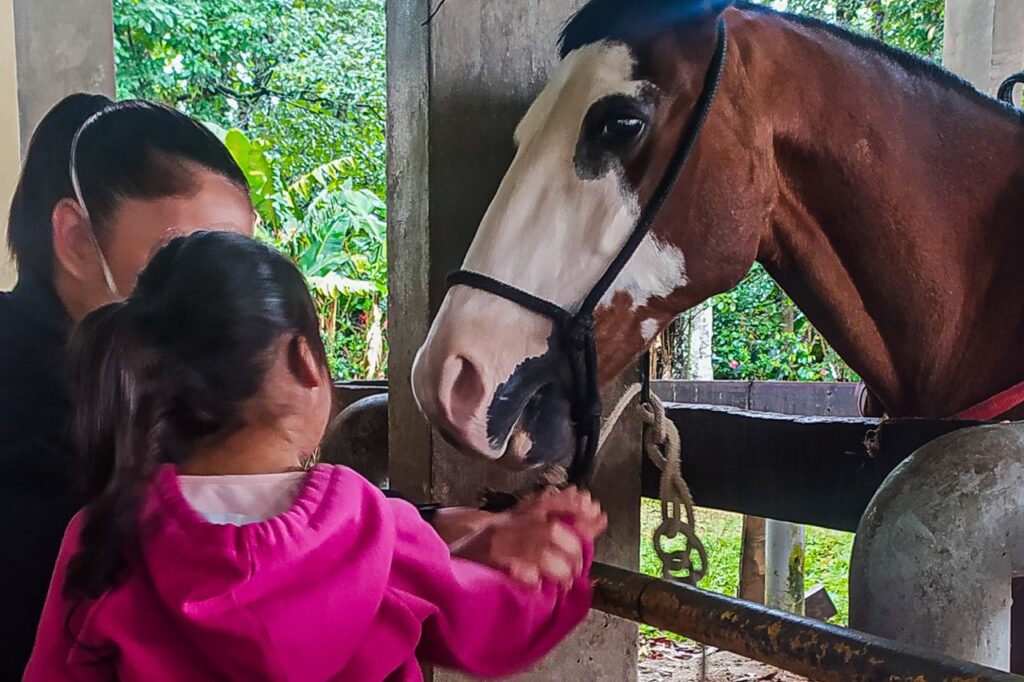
800	645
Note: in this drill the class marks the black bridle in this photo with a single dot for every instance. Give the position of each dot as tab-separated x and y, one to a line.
575	331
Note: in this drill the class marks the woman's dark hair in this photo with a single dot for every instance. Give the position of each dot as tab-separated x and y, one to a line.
124	150
170	368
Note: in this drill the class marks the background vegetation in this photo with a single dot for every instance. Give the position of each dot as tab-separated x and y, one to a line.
297	90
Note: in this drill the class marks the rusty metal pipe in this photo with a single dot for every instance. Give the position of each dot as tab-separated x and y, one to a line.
800	645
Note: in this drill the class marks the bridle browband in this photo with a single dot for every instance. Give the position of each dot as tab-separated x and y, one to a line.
575	331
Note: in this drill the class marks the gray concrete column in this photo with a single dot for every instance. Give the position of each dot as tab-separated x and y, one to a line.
48	49
10	134
984	40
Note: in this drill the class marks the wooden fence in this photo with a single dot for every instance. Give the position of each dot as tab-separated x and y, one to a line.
789	451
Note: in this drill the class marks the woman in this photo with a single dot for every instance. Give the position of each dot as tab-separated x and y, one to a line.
103	187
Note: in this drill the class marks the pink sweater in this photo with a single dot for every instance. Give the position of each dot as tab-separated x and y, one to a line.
345	585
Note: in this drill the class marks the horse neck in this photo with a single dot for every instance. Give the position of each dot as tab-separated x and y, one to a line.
897	227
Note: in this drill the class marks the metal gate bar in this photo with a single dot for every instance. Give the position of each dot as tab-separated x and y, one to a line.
800	645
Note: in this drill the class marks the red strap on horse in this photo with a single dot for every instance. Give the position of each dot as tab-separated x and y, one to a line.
993	407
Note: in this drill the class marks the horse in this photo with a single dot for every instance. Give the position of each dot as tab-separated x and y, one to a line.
880	191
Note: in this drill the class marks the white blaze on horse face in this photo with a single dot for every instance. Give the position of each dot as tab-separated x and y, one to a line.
552	233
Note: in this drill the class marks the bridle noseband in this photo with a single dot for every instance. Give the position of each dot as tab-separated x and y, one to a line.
575	331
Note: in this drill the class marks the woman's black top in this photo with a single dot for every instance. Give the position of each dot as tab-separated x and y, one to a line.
36	490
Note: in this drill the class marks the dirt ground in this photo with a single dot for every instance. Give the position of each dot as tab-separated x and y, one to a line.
664	660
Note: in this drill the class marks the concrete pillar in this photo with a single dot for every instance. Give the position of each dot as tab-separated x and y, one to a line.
456	89
10	134
62	47
939	544
48	49
699	350
984	40
784	575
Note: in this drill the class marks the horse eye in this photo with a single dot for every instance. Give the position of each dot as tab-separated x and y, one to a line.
621	130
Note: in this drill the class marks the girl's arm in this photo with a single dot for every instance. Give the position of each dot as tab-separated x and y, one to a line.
476	619
494	539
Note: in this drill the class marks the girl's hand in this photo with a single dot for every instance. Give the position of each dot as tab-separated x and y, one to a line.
571	505
534	541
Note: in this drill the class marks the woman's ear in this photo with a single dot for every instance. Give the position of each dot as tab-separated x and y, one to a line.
73	247
304	365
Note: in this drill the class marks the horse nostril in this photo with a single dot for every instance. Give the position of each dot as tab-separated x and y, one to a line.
462	391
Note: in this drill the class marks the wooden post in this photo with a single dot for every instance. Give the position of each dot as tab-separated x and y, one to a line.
784	543
457	87
752	569
409	240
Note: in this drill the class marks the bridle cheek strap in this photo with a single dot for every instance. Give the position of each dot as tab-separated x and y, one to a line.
575	331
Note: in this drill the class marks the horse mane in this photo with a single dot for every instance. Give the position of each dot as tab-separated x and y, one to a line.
613	20
621	20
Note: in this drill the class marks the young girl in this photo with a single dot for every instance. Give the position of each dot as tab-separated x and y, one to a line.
208	552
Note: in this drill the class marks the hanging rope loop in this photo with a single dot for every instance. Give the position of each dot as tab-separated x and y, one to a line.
661	443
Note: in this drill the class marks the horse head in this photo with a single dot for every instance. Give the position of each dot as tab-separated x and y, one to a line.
591	150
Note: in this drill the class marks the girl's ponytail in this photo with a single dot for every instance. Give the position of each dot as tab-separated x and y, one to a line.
118	430
171	368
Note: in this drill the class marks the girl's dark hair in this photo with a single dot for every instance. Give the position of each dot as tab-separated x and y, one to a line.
168	369
125	150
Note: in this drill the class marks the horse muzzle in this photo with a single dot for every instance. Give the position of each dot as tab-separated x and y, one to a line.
495	388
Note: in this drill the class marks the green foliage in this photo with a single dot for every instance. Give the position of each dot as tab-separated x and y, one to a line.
759	333
335	234
307	74
912	25
827	556
296	90
305	81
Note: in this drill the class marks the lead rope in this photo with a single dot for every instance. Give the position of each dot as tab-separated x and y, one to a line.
662	445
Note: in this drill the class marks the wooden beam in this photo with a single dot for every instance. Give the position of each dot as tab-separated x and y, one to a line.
812	470
812	399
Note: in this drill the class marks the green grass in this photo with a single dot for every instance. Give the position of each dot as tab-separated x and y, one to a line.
827	556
